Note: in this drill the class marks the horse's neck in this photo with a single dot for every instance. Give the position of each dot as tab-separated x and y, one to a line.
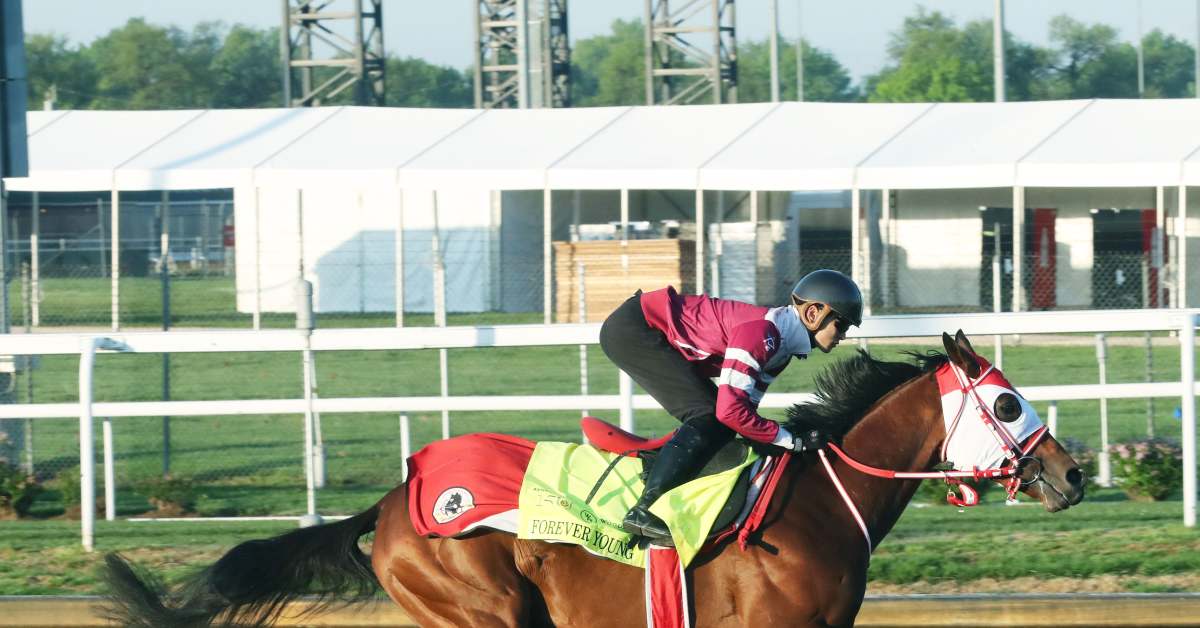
903	432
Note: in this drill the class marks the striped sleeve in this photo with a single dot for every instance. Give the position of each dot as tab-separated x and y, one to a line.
744	380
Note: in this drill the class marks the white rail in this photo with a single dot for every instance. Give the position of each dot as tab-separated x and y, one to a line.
300	341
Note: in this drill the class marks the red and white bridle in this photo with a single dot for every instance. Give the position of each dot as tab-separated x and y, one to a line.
957	390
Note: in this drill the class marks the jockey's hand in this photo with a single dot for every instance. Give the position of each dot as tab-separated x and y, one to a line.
810	440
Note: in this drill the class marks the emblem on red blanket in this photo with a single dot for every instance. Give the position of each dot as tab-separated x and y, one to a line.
452	503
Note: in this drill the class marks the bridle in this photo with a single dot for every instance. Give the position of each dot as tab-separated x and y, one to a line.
1017	456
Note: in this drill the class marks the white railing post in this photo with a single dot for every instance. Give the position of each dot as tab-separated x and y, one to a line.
625	384
405	446
305	324
110	483
1052	418
1187	370
87	449
1104	460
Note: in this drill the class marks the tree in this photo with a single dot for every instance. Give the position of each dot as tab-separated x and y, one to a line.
610	69
412	82
933	60
824	78
1091	62
54	65
1169	66
141	66
246	69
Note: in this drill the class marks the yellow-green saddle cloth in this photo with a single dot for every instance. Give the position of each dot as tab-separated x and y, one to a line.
561	475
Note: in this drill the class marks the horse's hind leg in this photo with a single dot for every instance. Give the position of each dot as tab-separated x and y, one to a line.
450	582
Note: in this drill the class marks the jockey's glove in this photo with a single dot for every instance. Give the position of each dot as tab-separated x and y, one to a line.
807	440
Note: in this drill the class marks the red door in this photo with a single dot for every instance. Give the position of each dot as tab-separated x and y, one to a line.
1155	252
1042	245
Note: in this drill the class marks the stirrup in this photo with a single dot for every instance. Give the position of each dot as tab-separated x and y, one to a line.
638	519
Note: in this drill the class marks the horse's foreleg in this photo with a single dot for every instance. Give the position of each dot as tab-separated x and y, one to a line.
450	582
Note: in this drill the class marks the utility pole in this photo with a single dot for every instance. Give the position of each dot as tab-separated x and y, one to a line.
800	50
998	51
773	6
1141	57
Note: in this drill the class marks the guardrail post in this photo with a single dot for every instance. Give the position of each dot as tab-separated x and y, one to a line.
87	450
110	482
1187	370
305	324
1052	418
625	383
1104	460
405	447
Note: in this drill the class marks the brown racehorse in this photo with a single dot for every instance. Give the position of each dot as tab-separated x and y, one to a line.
807	566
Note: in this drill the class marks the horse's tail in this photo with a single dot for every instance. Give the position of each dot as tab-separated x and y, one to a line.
251	583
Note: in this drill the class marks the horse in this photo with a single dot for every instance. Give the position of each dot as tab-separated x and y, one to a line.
805	566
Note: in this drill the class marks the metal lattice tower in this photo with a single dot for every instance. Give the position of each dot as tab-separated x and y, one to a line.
332	46
522	56
691	52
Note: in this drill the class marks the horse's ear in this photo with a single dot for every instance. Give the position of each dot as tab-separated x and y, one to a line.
961	354
968	354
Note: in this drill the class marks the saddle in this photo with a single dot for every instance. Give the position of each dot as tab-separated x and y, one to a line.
608	437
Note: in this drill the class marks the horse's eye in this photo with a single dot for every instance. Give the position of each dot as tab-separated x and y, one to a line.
1007	407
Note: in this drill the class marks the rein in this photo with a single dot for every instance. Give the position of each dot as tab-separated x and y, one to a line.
1011	467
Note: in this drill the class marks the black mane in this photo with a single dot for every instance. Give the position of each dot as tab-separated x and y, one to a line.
846	389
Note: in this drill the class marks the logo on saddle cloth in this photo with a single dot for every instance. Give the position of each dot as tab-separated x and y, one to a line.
452	503
554	505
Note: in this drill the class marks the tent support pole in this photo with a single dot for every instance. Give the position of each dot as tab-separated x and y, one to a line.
1018	246
256	317
700	235
399	270
547	252
116	258
35	263
755	217
1181	235
855	236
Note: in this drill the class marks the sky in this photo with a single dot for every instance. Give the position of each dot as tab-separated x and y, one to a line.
441	31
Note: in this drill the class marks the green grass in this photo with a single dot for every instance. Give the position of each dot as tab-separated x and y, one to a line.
1142	543
1104	535
252	464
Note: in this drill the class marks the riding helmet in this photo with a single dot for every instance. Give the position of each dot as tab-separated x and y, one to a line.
834	289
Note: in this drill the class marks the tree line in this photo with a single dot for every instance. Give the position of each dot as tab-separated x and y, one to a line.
930	59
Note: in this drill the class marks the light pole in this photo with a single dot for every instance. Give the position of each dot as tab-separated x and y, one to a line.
800	50
998	51
1141	57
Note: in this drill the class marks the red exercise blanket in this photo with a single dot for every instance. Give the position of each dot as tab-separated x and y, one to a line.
457	483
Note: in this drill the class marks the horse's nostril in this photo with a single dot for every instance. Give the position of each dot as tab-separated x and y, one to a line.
1075	477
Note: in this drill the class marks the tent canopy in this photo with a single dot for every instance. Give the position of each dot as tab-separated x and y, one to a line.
959	145
507	149
786	146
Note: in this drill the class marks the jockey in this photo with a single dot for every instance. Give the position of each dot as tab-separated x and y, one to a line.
672	345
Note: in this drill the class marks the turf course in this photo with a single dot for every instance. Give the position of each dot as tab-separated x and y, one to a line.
252	465
1106	543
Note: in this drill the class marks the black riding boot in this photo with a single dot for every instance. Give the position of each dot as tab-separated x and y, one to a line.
678	460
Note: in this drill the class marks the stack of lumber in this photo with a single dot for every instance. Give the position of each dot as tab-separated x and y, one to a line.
613	270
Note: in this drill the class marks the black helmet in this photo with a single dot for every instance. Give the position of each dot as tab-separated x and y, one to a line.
834	289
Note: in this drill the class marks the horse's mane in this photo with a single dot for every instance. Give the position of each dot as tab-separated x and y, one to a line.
847	389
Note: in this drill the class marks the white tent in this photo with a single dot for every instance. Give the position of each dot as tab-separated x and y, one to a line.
348	165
